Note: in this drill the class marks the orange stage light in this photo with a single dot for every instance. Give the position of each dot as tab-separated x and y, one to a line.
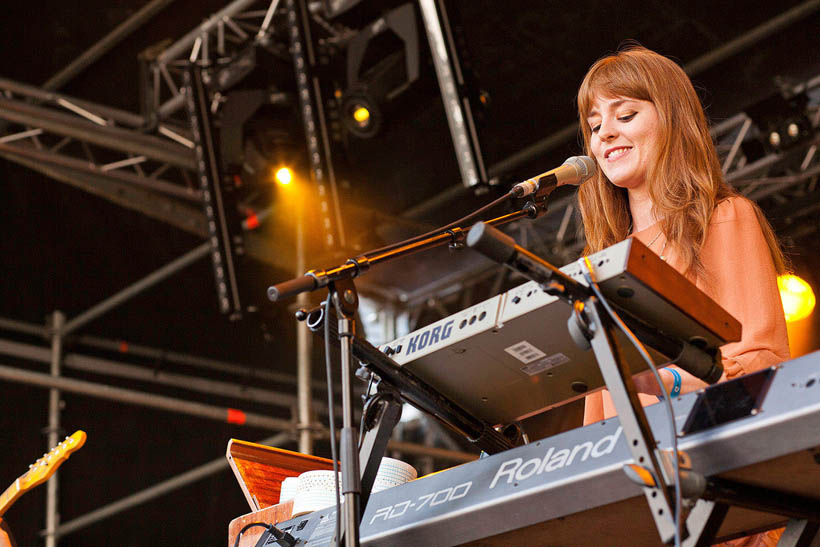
797	297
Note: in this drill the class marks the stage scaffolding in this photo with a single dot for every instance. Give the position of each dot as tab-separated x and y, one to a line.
149	166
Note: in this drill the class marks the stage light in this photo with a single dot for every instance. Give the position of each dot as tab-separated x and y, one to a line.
369	89
284	176
362	115
797	297
782	120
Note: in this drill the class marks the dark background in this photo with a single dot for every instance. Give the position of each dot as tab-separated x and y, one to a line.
64	249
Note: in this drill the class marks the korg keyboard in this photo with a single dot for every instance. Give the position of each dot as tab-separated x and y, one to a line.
511	356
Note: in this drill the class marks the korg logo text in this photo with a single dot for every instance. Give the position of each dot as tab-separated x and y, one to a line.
429	337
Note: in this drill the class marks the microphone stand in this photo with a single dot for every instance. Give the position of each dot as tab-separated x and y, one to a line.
339	281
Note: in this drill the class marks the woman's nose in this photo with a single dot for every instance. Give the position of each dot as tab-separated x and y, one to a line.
607	131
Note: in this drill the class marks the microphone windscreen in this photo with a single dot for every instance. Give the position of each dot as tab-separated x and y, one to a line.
584	165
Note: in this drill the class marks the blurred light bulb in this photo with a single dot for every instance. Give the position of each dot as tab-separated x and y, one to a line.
284	176
797	297
361	115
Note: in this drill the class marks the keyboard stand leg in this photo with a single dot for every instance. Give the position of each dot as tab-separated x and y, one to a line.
703	523
638	433
800	533
381	414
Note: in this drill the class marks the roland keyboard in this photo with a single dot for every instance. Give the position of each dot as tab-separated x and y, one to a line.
511	356
570	489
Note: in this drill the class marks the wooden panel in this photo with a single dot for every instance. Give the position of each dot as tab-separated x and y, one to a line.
260	470
675	288
269	515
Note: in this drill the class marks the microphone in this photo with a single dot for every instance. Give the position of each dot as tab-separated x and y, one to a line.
574	171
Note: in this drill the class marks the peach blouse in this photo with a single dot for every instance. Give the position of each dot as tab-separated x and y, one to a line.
740	276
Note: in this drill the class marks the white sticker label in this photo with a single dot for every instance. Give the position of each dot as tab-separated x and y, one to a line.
525	352
546	363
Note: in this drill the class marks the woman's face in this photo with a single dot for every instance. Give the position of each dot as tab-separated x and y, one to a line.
624	139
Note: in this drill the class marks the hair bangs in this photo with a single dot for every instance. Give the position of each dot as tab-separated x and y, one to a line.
615	76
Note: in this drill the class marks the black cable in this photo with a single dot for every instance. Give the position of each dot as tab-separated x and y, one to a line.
667	400
289	540
331	419
461	221
362	422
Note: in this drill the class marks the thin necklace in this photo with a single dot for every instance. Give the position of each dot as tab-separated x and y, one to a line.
654	239
663	249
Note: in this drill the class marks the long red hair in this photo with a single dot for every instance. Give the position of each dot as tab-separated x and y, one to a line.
686	181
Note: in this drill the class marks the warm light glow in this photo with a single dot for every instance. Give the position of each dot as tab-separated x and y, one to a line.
797	297
284	176
361	115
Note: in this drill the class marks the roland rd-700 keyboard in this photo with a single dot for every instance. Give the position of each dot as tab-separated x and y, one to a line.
570	489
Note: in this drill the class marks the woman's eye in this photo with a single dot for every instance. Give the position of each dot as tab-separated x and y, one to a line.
595	128
627	117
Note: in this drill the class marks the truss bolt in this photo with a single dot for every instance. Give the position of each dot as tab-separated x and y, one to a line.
774	138
793	130
349	296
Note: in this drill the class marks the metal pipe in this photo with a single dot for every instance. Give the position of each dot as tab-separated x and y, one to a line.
160	489
132	290
22	326
304	347
151	204
534	150
103	46
747	124
52	517
178	48
87	363
263	28
755	35
181	358
121	116
85	166
115	138
128	396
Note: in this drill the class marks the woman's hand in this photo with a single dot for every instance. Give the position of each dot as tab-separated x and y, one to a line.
645	381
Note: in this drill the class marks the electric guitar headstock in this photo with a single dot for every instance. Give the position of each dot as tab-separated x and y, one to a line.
41	470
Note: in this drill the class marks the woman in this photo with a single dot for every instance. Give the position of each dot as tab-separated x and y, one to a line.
659	180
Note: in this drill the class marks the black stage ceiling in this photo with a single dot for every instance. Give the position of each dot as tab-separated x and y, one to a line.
67	249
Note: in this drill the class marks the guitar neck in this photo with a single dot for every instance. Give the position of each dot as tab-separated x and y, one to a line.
9	496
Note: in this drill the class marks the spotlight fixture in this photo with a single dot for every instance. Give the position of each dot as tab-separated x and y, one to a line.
782	120
369	90
361	115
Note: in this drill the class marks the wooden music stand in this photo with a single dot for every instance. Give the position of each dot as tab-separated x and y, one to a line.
260	470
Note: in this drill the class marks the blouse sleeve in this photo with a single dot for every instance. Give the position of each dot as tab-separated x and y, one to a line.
740	276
